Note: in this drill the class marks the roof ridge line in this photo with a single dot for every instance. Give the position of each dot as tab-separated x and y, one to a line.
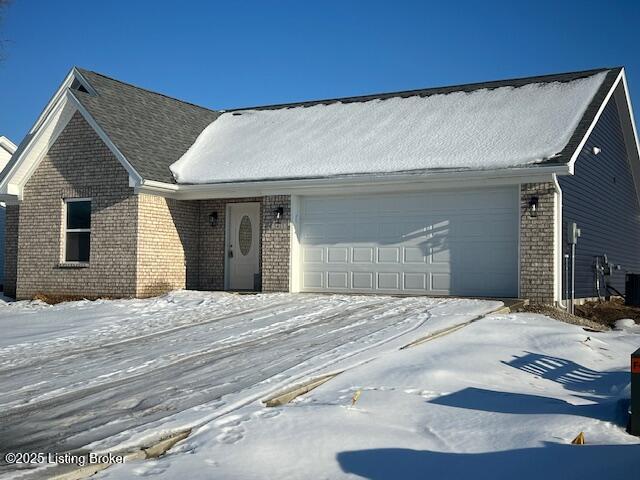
425	91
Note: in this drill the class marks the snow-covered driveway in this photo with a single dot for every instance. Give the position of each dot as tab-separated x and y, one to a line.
500	399
107	371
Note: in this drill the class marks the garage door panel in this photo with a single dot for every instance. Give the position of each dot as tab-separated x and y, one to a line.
459	243
363	254
388	280
416	282
415	255
337	280
313	255
313	280
362	280
337	255
389	255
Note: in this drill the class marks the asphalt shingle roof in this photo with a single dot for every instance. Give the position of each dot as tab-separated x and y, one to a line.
151	130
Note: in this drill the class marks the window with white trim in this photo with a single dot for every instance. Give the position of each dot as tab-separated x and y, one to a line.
77	230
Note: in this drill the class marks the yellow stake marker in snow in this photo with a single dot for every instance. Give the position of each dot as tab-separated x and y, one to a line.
355	398
579	440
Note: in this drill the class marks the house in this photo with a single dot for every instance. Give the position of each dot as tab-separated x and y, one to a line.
465	190
7	147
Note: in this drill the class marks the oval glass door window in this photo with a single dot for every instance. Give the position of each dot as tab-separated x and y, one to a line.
245	235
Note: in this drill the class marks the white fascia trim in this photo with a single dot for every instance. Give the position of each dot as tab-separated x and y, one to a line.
55	104
36	148
60	93
630	108
578	150
158	188
134	176
354	184
57	118
7	144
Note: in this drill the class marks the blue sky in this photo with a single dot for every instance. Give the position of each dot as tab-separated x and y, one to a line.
243	53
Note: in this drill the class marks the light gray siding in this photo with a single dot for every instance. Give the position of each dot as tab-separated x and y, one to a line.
601	198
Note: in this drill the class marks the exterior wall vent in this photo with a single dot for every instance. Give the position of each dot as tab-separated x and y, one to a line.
78	86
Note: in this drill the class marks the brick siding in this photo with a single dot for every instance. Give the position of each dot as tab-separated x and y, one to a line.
167	250
275	244
11	250
537	235
141	245
78	164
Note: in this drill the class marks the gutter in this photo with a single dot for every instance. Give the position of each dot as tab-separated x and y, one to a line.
337	184
558	244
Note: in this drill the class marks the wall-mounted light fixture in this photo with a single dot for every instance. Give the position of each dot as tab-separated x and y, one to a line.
213	219
533	206
596	150
278	213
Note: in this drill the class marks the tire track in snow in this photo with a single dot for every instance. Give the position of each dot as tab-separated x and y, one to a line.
232	348
196	373
194	356
79	351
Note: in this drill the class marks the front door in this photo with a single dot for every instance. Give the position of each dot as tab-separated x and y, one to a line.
243	245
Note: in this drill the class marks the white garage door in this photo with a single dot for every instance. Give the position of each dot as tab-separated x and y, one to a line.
440	243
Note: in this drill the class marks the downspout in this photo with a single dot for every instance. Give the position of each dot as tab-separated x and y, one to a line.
559	259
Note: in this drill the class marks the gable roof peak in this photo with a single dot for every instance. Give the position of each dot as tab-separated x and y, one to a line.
88	73
150	129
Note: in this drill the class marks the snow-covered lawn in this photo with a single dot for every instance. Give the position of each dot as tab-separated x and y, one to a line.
499	399
115	374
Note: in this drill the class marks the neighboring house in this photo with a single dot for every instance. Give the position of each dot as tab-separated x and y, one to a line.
7	147
467	190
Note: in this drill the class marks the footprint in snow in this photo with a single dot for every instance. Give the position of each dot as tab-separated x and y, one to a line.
231	436
232	421
271	413
148	469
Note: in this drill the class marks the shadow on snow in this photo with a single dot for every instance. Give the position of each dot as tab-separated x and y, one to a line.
552	460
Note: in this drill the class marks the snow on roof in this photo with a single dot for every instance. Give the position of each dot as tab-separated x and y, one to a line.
483	129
